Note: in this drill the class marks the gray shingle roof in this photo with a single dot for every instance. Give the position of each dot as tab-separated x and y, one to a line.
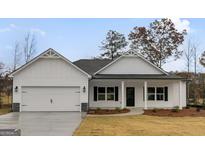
137	76
91	66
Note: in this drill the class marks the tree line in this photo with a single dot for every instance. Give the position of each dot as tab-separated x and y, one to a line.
23	52
157	42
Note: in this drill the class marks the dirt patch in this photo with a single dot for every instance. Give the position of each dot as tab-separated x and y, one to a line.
107	111
194	112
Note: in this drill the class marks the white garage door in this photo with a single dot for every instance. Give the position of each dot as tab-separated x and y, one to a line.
50	99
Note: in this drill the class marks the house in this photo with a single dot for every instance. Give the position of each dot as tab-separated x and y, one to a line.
50	82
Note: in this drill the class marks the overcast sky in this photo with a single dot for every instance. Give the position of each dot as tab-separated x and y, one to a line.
81	38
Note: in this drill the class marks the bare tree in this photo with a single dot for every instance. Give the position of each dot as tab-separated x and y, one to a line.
195	59
189	55
1	83
29	46
17	55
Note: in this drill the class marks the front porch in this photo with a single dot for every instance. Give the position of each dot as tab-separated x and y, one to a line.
136	93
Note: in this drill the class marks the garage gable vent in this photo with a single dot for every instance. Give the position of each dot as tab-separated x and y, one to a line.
50	54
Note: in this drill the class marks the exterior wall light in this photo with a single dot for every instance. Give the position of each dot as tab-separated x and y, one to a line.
84	89
16	89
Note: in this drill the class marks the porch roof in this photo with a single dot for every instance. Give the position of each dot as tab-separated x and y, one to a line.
138	76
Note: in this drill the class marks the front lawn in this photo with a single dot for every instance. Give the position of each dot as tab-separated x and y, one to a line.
5	110
141	125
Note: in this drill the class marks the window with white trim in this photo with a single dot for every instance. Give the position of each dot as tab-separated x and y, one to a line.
160	93
151	93
101	93
110	93
106	94
156	93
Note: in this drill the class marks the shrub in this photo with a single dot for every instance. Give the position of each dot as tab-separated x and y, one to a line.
154	110
175	109
187	107
198	109
117	109
98	109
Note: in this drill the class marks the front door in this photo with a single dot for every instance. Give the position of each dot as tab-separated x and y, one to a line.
130	96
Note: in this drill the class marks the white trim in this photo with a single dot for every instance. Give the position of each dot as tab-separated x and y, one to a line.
145	95
123	94
180	95
42	55
127	54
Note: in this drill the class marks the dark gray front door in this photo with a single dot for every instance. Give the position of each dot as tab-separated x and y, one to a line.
130	96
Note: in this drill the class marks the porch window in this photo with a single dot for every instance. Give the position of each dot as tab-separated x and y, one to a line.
105	93
157	93
110	93
101	93
160	93
151	93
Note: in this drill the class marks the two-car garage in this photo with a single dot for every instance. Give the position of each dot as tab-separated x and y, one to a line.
50	82
50	99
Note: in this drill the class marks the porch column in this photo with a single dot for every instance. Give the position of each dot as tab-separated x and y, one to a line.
180	95
123	94
145	95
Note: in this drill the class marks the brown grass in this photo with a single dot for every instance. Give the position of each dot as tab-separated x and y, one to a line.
141	125
6	99
4	111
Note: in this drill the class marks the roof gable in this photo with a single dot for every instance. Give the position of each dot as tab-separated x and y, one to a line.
50	53
131	63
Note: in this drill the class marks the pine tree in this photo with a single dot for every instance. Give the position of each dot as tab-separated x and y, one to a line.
112	45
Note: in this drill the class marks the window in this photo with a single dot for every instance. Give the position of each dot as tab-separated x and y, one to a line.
110	93
160	93
101	93
105	94
157	93
151	93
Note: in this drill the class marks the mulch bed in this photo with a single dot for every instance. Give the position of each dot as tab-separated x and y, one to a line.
107	111
193	112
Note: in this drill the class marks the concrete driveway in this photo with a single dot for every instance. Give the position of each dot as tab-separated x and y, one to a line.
42	123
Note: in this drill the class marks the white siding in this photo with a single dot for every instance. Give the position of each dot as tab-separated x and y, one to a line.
131	65
104	104
50	72
173	93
